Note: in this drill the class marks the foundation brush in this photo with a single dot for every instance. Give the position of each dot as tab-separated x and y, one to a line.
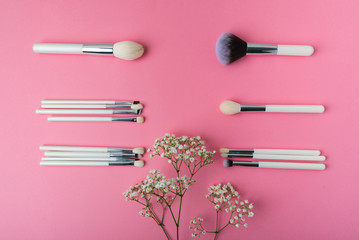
230	48
126	50
283	165
138	163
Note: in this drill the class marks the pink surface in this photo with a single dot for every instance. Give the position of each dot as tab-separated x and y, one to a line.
181	84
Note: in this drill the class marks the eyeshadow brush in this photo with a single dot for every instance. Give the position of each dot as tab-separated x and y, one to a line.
96	119
63	102
91	154
86	106
88	111
138	150
277	157
271	151
283	165
69	158
138	163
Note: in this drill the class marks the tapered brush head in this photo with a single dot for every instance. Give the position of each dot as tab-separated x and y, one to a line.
139	163
228	163
138	150
137	106
229	48
140	119
224	150
128	50
230	107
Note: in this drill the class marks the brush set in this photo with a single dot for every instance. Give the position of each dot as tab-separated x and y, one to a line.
230	107
91	107
91	156
273	154
126	50
230	48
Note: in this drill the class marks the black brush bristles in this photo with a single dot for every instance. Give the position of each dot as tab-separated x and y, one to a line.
229	48
228	163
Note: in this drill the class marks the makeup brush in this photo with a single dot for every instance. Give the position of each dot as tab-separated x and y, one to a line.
138	150
229	48
271	151
96	159
138	163
230	108
126	50
63	102
284	165
92	154
87	106
277	157
87	111
96	119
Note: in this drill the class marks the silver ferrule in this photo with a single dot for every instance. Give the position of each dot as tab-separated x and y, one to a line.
121	163
124	119
133	112
97	48
124	155
122	150
245	164
121	158
118	106
126	102
259	48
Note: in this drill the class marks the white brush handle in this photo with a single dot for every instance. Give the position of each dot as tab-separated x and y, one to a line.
101	159
76	154
57	48
287	152
63	102
295	50
73	163
289	157
73	111
309	166
80	119
295	108
70	148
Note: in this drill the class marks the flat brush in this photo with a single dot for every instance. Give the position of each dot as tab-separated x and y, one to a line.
92	154
96	119
271	151
230	48
96	159
88	111
88	102
138	163
277	157
138	150
87	106
230	108
126	50
283	165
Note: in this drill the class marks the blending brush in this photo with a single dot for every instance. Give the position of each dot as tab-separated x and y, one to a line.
88	111
88	102
271	151
229	48
277	157
126	50
230	108
92	154
136	106
96	119
138	150
96	159
284	165
138	163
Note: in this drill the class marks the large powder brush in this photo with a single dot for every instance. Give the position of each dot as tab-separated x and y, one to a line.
230	48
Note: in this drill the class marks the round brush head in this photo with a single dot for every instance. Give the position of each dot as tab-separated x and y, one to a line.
228	163
224	150
140	120
139	163
139	150
128	50
229	48
230	107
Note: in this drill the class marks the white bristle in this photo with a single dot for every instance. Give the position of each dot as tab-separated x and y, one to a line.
229	107
139	150
137	106
224	155
224	150
140	120
139	163
128	50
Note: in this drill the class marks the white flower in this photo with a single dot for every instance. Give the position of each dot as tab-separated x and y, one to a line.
237	225
250	206
216	207
250	214
245	225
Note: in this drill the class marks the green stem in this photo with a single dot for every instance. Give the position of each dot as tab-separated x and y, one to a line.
216	232
179	217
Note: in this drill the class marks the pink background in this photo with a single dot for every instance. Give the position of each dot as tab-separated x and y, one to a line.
181	84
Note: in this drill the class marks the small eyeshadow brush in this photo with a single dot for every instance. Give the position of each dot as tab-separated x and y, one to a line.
96	119
271	151
272	157
230	48
63	102
92	154
126	50
88	111
138	163
283	165
229	108
138	150
86	106
98	159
